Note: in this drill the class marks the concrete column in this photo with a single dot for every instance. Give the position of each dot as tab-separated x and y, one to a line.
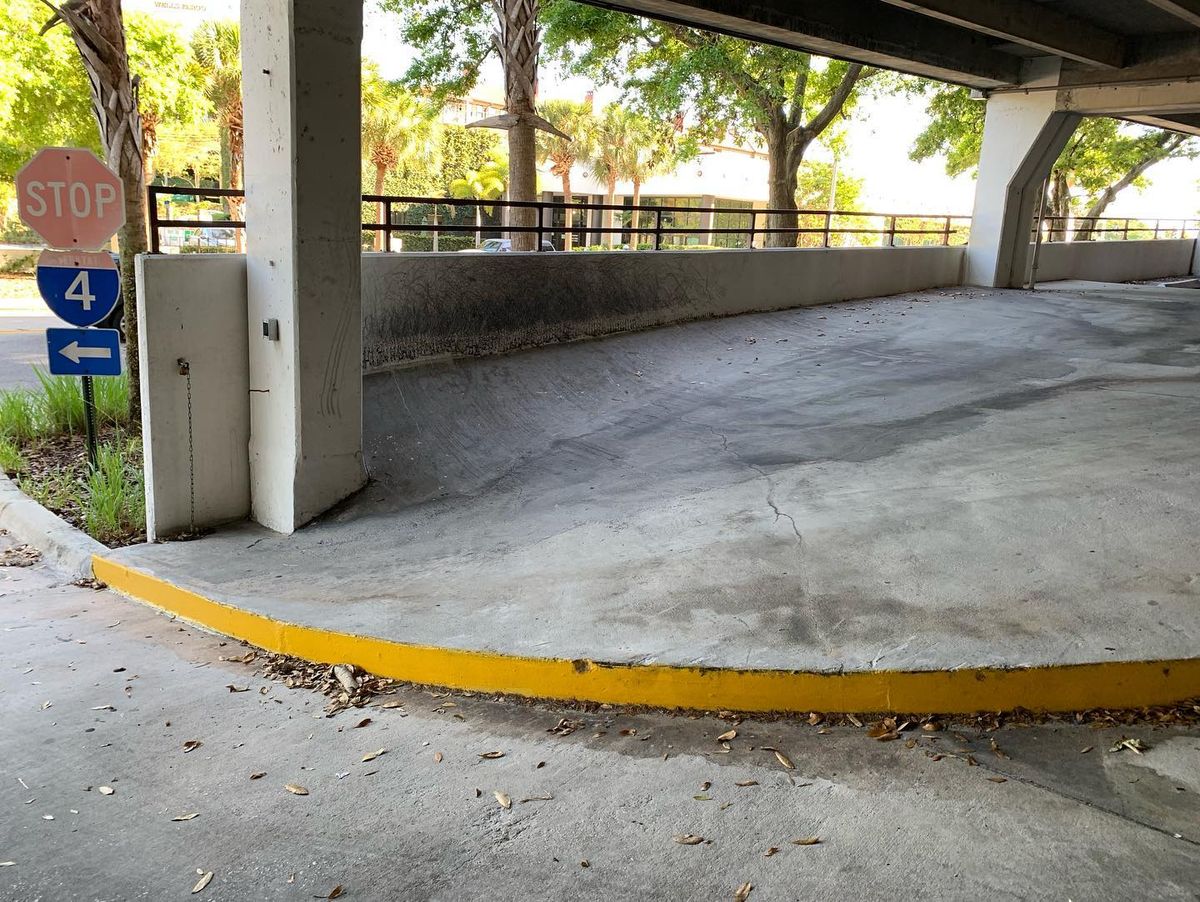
1023	134
301	63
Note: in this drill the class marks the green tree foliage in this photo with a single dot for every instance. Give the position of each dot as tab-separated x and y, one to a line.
727	86
463	150
397	128
815	185
488	182
44	93
1103	157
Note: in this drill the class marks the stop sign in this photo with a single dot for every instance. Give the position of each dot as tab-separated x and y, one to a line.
70	198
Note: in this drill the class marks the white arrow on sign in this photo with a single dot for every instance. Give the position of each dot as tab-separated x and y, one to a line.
73	352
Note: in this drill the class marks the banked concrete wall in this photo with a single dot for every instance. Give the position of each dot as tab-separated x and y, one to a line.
419	306
1115	261
425	305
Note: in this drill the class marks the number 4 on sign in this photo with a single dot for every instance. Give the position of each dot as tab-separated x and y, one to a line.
80	290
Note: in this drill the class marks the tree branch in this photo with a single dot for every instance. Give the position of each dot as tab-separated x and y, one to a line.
837	100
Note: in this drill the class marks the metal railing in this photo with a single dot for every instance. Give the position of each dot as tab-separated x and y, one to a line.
1115	228
661	226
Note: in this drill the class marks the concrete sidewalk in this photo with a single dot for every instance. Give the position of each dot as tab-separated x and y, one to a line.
100	692
962	478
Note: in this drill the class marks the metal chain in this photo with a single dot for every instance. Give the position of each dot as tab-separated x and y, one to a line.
185	369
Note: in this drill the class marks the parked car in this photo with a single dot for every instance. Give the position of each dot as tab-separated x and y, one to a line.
501	246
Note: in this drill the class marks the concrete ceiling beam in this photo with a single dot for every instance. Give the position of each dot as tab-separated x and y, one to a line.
1186	123
1030	24
1187	10
871	32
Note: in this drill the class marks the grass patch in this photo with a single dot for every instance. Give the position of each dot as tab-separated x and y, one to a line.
42	447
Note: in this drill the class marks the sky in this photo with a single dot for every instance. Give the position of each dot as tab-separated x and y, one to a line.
878	137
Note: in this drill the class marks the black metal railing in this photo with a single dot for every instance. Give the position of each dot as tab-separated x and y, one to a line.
662	227
1115	228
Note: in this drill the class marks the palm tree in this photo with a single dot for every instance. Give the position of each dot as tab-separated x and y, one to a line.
485	183
651	149
217	47
394	124
98	31
612	135
575	119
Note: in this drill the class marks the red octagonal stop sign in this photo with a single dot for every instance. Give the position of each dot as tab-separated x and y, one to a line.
70	198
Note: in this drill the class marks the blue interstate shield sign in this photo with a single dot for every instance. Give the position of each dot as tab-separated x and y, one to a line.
84	352
81	288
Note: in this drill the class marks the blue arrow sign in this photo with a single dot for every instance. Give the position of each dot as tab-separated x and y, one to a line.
81	288
84	352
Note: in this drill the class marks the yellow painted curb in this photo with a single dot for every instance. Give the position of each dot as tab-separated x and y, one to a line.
1124	684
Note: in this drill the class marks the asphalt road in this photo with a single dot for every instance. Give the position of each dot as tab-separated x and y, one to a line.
23	322
98	693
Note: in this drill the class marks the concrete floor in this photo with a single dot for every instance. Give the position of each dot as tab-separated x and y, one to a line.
955	478
97	691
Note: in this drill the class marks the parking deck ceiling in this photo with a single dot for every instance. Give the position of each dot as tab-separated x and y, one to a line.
979	43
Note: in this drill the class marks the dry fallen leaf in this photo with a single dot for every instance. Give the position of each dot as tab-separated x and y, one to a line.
362	723
491	755
814	718
771	851
996	750
191	745
437	757
998	779
932	727
706	786
585	863
106	790
503	799
743	892
258	775
7	864
334	893
203	882
807	841
1134	745
784	760
854	720
727	735
371	756
233	688
104	708
295	790
746	783
392	703
187	817
1084	751
688	839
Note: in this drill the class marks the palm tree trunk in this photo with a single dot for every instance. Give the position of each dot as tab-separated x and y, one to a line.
99	34
568	213
518	45
381	213
237	205
606	219
637	214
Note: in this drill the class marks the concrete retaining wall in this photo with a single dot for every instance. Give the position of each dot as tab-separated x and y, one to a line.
423	305
1115	261
194	307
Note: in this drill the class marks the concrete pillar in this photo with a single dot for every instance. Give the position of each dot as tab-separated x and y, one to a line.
301	63
1023	134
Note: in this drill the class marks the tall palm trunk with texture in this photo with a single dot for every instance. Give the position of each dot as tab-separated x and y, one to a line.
518	41
98	30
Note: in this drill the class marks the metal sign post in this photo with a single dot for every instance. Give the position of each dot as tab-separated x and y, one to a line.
76	204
